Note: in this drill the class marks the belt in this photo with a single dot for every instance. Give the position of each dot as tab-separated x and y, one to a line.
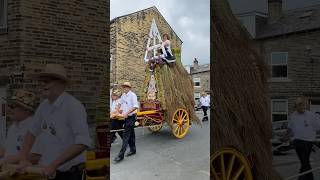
74	169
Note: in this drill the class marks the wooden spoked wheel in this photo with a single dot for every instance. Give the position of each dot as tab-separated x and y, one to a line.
180	123
230	164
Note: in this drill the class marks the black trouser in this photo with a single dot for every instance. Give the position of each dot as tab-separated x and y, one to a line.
128	136
303	149
204	109
76	173
116	125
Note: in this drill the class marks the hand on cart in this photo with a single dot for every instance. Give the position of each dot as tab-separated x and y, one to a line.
25	167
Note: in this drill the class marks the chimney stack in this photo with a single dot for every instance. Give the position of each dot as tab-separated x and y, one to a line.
195	63
274	10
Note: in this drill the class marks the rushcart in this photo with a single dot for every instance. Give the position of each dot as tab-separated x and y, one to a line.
168	90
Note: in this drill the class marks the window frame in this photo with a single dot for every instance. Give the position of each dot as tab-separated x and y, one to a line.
194	81
287	109
280	64
196	97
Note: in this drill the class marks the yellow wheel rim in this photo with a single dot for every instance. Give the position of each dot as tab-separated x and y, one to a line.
180	123
230	164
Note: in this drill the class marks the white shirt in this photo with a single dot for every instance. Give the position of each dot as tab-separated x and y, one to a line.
129	100
114	104
16	133
204	101
63	123
304	125
167	44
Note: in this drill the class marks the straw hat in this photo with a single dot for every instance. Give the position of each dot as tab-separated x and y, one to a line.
54	70
24	99
116	92
128	84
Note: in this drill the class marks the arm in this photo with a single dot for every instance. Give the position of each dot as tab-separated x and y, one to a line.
289	131
26	147
68	154
288	134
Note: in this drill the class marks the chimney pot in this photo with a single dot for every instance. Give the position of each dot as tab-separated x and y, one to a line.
274	10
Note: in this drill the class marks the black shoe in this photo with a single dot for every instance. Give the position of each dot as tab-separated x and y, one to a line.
130	153
118	159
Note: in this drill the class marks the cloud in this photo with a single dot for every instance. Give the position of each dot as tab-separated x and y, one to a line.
189	19
185	21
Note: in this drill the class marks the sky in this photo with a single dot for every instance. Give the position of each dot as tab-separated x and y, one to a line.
190	20
261	5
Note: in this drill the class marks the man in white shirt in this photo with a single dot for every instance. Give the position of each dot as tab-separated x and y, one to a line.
130	105
204	101
62	120
303	125
22	106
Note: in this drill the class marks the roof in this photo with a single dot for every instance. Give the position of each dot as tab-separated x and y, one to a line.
200	69
251	13
292	21
143	10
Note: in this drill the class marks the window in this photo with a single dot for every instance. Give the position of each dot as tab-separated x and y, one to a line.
279	64
3	14
196	95
279	110
196	82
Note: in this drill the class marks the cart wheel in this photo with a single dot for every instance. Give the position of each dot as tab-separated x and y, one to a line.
155	128
229	164
180	123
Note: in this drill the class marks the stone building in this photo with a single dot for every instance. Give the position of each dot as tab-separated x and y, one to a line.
129	35
289	43
72	33
200	74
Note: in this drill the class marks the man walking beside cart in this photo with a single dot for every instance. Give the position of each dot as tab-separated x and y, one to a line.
130	105
62	120
205	102
303	125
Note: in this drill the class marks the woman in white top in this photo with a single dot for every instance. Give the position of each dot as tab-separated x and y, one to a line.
167	46
115	111
22	106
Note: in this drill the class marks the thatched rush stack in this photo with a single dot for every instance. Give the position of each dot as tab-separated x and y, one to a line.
175	88
241	118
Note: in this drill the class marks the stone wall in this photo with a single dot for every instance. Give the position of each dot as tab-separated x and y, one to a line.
303	66
72	33
130	35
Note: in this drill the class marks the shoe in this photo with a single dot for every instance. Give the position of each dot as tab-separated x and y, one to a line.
118	159
130	153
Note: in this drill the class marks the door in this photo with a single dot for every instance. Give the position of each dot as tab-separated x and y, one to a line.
2	115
